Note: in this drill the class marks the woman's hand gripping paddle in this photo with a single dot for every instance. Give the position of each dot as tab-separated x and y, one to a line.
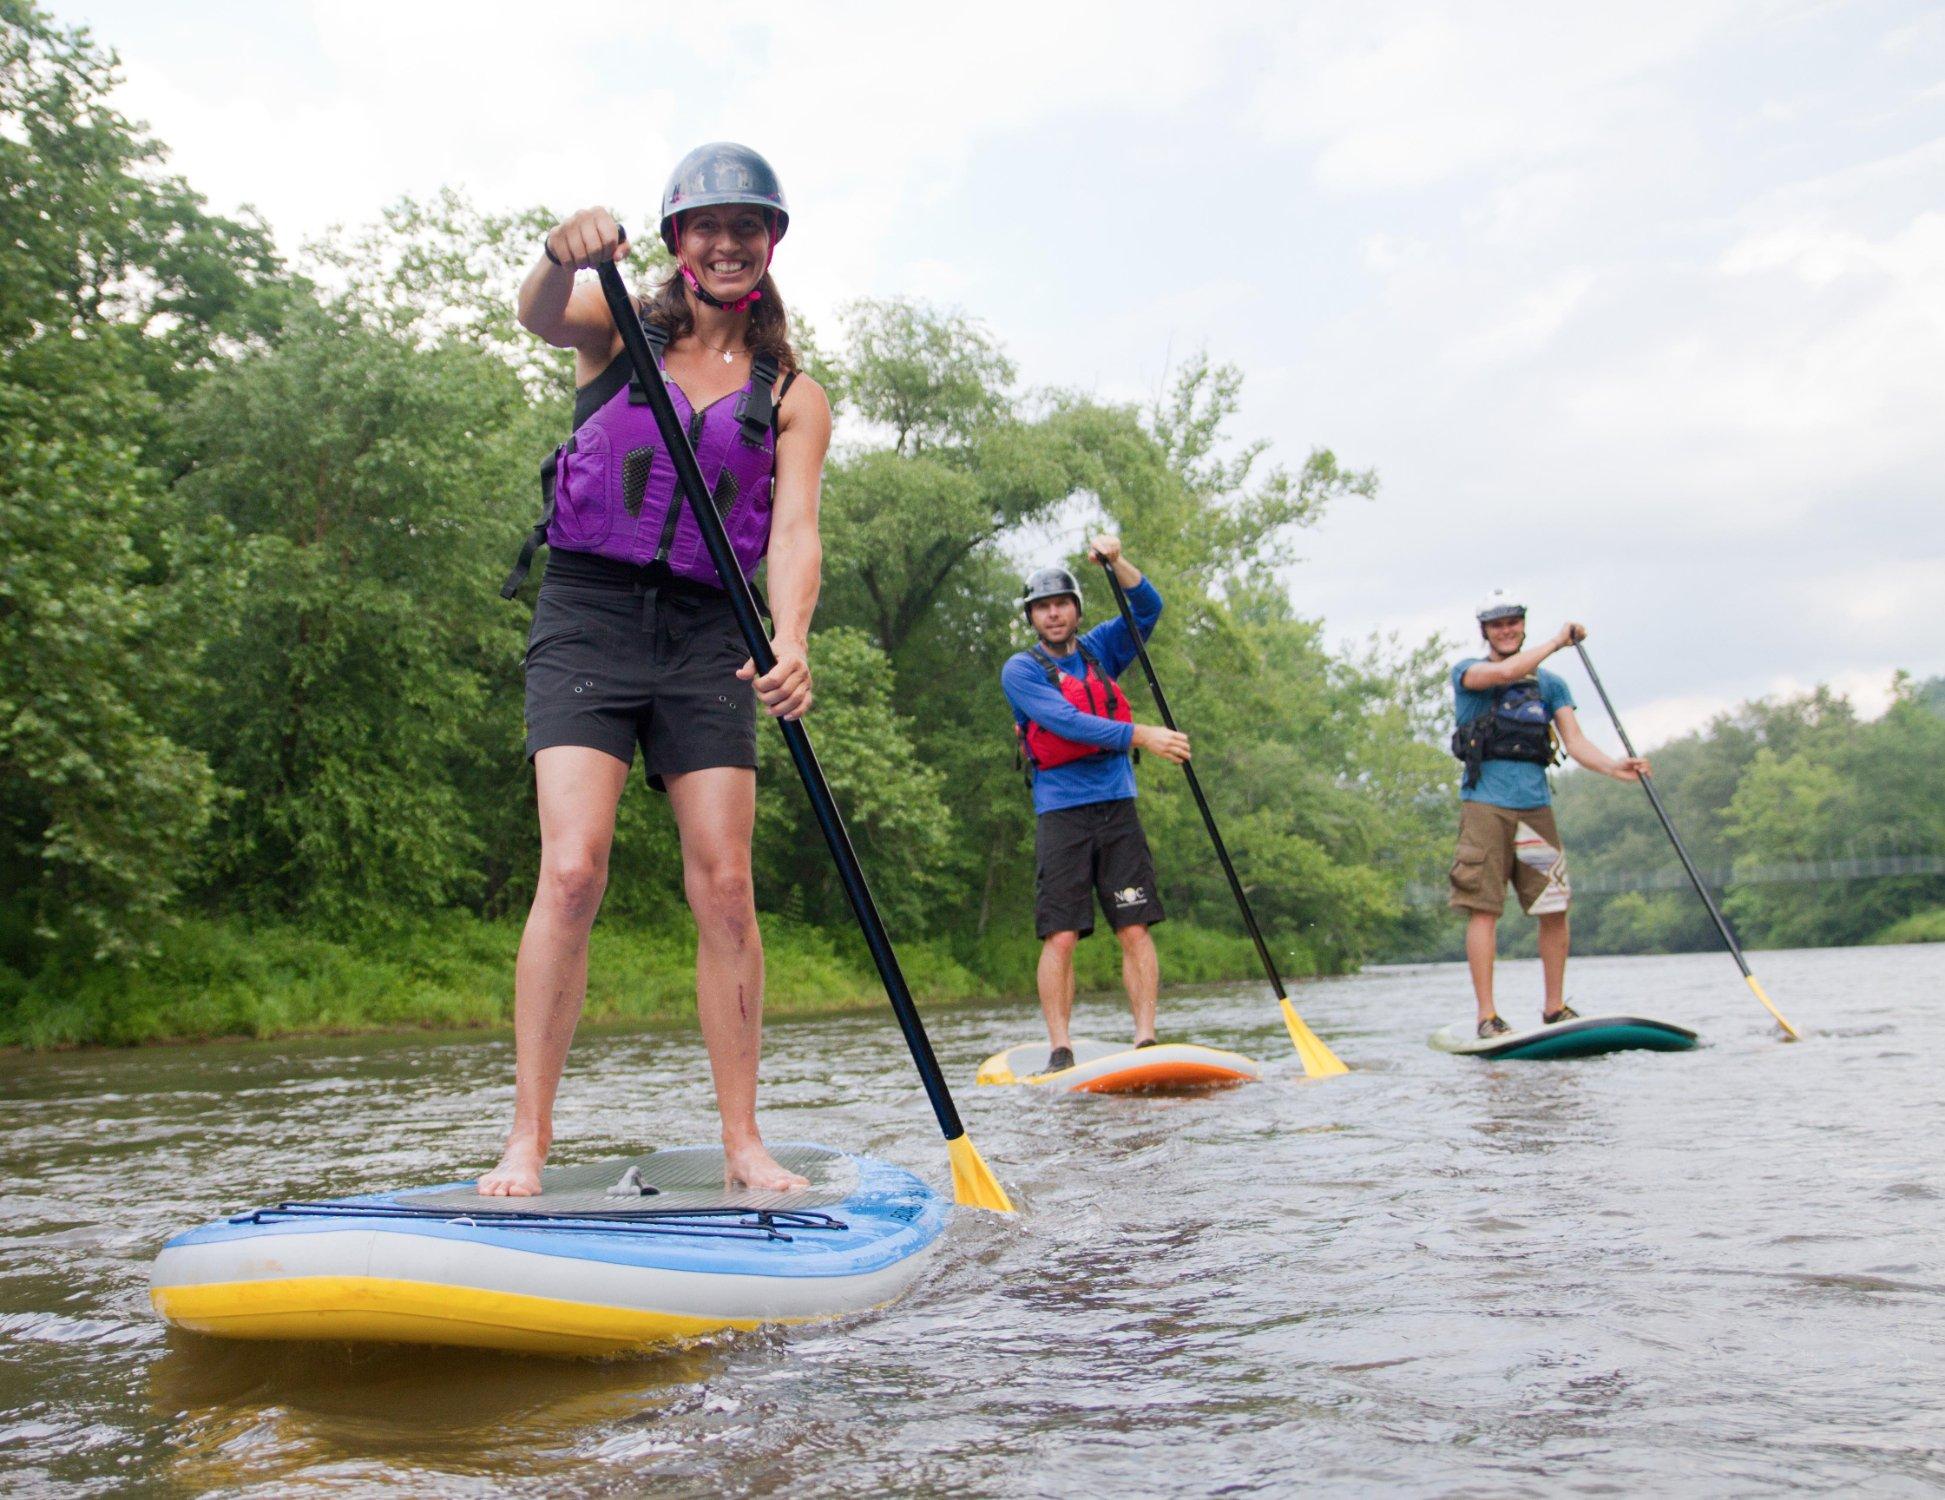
1318	1060
1695	878
973	1182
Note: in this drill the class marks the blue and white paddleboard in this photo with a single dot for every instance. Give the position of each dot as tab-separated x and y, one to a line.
1588	1036
609	1257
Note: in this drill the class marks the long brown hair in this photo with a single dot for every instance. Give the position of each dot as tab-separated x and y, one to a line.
769	330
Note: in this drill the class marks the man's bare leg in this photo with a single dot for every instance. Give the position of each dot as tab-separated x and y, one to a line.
1482	940
1055	979
715	812
578	791
1553	959
1141	972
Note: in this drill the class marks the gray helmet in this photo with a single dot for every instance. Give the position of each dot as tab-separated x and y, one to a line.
1499	605
1049	583
722	172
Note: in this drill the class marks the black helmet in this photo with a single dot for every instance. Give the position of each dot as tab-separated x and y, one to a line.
721	172
1049	583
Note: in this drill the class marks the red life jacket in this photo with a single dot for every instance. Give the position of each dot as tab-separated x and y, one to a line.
1093	692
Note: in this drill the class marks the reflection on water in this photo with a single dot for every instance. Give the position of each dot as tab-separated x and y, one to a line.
1713	1271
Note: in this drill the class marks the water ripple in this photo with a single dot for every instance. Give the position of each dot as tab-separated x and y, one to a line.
1712	1272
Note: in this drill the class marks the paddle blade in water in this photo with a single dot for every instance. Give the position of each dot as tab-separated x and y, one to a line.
1788	1030
973	1182
1318	1060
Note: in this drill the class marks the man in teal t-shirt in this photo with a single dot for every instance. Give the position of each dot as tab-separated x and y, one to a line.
1511	715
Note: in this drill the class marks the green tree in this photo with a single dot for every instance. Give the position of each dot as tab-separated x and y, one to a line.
117	291
98	806
1863	789
893	805
933	378
357	496
94	234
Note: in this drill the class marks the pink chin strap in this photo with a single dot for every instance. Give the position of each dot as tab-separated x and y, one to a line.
754	294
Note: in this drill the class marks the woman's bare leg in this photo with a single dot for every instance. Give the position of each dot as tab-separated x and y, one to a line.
579	789
715	812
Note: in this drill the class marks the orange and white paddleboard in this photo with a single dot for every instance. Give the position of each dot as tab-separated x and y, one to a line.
1117	1068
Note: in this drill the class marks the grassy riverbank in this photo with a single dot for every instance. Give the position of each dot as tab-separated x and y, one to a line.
217	978
1919	927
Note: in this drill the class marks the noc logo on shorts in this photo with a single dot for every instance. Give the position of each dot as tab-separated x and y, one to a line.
1132	895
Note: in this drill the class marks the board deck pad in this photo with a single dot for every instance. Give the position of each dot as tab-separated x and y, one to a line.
1030	1058
1589	1036
686	1178
1119	1067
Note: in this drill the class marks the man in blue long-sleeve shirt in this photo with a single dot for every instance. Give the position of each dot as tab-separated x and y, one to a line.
1077	730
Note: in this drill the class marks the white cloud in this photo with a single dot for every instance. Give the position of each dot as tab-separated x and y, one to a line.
1400	96
400	99
1526	327
1869	691
1531	209
1653	723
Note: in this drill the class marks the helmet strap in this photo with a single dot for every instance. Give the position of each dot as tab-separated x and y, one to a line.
754	294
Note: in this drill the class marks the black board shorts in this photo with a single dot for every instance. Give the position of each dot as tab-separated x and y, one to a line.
1096	849
621	656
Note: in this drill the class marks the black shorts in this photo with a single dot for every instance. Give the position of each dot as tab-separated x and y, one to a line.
1095	849
621	656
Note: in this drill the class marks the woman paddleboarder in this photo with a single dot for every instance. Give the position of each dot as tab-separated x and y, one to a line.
633	640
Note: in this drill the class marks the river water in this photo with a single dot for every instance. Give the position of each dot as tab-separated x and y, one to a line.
1718	1272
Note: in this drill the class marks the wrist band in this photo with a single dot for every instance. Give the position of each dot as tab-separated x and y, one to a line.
547	249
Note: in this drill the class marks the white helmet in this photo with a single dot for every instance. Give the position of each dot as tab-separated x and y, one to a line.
1499	605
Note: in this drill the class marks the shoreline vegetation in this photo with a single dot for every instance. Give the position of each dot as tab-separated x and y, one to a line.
216	978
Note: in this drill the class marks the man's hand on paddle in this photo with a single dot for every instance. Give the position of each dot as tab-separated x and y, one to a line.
1631	768
1107	549
784	690
1169	744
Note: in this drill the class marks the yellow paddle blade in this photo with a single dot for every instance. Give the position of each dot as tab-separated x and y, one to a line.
1318	1060
973	1182
1788	1030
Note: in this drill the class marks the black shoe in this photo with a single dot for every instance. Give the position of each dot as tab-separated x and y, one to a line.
1153	1041
1565	1013
1060	1059
1493	1026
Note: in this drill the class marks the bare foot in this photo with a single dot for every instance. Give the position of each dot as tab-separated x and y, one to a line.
518	1174
752	1166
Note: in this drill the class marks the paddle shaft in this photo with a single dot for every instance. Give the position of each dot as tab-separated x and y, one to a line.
1195	788
1667	826
742	602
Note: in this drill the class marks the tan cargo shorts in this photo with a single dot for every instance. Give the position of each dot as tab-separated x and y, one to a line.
1497	844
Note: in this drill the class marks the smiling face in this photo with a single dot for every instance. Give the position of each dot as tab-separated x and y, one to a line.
1505	637
728	248
1055	620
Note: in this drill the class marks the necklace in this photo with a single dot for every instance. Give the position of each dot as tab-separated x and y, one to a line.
729	355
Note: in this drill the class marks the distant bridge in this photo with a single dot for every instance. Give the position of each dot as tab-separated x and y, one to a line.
1796	872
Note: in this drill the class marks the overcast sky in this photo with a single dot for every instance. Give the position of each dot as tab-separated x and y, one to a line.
1638	310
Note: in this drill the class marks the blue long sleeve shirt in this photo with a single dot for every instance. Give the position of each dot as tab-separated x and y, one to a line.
1096	778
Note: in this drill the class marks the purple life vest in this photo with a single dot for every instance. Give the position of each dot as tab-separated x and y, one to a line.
610	489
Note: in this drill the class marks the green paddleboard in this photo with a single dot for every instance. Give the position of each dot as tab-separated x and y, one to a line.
1589	1036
